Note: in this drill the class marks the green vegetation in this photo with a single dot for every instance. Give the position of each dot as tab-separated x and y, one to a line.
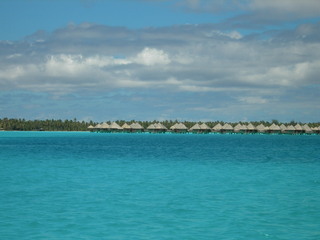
43	125
75	125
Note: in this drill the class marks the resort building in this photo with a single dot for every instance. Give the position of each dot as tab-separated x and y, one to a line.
283	128
217	128
114	127
239	128
126	127
316	130
197	128
204	128
136	127
227	128
306	128
290	130
251	128
157	128
179	128
274	128
261	128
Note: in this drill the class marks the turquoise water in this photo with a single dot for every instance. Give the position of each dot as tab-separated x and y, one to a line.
65	185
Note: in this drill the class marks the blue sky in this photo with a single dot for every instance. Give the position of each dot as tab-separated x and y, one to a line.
194	60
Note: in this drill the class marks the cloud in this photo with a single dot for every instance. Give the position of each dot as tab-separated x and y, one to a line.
151	56
200	65
253	13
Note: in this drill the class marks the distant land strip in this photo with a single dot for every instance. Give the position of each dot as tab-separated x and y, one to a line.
167	126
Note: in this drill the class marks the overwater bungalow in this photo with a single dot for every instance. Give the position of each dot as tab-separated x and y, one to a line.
316	130
91	128
217	128
261	128
179	128
97	127
290	129
126	127
251	128
307	129
197	128
227	128
114	127
104	127
157	128
274	128
151	128
136	127
239	128
298	128
283	128
205	128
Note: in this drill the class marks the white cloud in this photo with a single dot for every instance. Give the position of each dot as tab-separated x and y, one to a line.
202	65
152	56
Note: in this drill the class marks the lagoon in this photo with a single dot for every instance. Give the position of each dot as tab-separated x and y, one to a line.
81	185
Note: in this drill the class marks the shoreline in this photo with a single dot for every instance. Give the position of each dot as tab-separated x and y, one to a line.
164	133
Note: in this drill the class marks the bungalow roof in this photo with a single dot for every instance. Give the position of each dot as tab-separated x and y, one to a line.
126	126
306	128
261	128
251	127
274	127
136	126
196	127
298	127
227	126
217	127
115	126
290	128
204	126
104	125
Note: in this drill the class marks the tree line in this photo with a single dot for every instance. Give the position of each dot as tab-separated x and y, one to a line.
14	124
43	125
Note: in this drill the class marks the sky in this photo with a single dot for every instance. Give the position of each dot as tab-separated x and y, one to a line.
195	60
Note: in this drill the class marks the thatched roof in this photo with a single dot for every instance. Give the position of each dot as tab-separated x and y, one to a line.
204	126
179	126
160	126
217	127
126	126
239	127
290	128
151	127
104	125
195	127
251	127
98	126
306	128
298	127
136	126
261	128
156	126
274	127
115	126
283	127
91	127
227	126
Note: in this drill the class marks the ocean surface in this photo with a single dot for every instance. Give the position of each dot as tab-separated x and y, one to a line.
81	185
